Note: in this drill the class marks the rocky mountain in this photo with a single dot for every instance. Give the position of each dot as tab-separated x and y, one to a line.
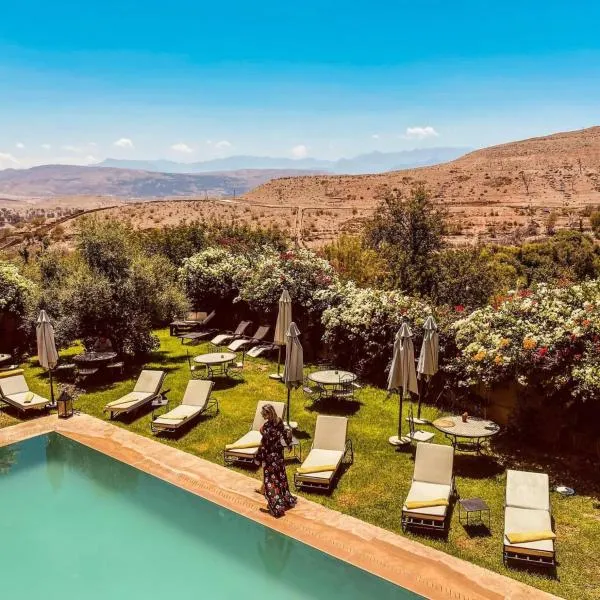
374	162
69	180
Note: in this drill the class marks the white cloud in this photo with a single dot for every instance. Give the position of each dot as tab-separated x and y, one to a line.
181	147
8	161
46	146
20	145
89	159
420	133
124	143
299	151
223	145
74	149
375	136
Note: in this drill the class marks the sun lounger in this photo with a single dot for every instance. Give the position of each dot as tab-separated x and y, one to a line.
527	516
428	501
228	336
196	401
242	344
145	391
330	447
244	450
15	392
188	322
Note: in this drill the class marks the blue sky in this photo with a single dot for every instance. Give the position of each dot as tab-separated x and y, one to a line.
80	81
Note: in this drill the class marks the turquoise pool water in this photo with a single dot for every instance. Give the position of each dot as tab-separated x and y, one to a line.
76	524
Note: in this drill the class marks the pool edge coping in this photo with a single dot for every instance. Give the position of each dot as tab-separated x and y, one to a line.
405	562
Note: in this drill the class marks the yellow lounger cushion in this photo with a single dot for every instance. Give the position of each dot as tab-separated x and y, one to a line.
317	469
242	446
530	536
412	504
28	398
12	373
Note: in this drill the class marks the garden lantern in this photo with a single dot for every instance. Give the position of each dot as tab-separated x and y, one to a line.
65	405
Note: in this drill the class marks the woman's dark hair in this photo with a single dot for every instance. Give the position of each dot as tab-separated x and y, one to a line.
269	414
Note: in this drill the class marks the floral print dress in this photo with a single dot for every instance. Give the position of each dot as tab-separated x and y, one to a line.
270	455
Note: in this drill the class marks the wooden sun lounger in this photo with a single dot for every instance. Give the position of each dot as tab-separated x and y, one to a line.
432	479
329	449
15	392
146	389
196	401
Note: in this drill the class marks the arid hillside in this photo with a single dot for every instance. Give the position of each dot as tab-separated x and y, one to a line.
488	192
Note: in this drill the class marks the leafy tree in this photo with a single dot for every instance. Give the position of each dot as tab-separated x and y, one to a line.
408	232
595	222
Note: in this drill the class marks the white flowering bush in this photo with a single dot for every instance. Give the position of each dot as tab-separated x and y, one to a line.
360	325
302	272
546	338
212	275
15	290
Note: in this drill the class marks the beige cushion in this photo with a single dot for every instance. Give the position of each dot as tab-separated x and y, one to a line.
527	490
238	344
149	381
522	520
258	422
420	491
221	339
434	464
35	400
13	385
177	415
317	458
330	433
197	393
130	400
249	438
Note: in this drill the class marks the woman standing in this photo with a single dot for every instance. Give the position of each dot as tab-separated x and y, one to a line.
275	437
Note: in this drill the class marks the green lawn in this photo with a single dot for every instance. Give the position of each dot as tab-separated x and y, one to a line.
374	487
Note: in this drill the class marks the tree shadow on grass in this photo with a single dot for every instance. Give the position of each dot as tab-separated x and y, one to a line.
335	406
473	466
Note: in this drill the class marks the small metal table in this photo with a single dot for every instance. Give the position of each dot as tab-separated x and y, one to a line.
216	363
90	360
332	381
295	449
475	430
159	402
466	506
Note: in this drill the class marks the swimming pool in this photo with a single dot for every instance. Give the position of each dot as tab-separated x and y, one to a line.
75	523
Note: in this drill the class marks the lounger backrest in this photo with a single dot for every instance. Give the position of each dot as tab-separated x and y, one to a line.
261	333
258	419
191	316
197	392
149	382
330	433
434	463
13	385
208	318
201	315
527	490
241	328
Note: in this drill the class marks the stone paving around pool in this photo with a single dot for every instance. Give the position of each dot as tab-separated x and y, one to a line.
407	563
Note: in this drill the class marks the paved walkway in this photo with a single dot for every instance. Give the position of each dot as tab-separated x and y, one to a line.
405	562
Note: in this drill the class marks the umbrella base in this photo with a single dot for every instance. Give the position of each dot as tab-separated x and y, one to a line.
293	425
276	376
398	441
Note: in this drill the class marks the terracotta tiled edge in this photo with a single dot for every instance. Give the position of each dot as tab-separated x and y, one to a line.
405	562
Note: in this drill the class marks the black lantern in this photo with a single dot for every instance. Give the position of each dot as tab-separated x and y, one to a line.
65	405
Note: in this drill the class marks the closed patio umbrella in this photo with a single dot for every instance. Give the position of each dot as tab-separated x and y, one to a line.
293	373
403	376
428	358
46	347
284	318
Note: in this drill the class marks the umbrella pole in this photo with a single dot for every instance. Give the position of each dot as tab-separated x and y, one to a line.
278	359
289	391
400	396
52	402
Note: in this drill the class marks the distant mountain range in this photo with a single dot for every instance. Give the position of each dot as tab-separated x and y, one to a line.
374	162
70	180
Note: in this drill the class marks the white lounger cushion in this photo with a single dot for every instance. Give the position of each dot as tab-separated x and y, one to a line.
220	339
421	491
434	464
527	490
320	458
177	415
250	438
238	344
149	381
34	402
330	433
130	400
522	520
13	385
197	393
